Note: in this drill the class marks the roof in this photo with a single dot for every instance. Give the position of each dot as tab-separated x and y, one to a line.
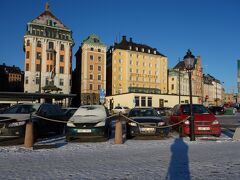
93	39
10	69
48	15
180	65
130	45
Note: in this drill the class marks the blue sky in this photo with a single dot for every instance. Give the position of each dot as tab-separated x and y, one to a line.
210	28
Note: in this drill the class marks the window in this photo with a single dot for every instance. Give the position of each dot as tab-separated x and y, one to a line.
91	67
37	80
99	58
131	62
27	54
38	55
90	86
143	101
47	68
136	100
61	82
130	70
99	77
38	68
39	44
99	50
62	47
27	67
50	45
26	80
120	61
119	77
61	70
46	81
172	87
172	79
99	68
28	42
61	58
99	87
91	57
91	49
91	76
149	101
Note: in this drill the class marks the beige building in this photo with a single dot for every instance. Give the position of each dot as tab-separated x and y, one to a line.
133	67
178	80
197	78
213	91
132	100
48	54
90	70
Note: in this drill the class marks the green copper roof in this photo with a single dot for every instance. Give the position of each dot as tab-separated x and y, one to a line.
93	39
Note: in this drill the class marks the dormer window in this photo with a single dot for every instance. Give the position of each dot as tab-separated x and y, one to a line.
130	47
91	49
28	42
142	49
149	51
154	52
136	48
38	43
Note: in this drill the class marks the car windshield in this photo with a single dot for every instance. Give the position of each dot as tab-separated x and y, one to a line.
22	109
142	113
91	111
198	109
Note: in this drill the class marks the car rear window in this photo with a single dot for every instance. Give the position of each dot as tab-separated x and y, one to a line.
142	113
198	109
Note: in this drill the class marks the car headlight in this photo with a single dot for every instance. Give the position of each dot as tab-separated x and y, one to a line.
215	122
187	122
70	124
161	123
100	124
132	124
15	124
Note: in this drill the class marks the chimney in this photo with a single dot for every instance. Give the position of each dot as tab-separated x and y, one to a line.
123	38
130	40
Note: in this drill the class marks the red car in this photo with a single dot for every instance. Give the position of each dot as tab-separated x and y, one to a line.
205	123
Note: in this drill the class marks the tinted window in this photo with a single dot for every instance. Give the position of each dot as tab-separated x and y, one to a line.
21	109
142	112
198	109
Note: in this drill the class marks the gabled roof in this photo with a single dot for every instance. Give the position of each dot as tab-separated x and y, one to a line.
48	15
180	65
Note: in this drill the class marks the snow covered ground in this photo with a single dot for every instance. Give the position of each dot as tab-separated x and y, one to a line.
171	158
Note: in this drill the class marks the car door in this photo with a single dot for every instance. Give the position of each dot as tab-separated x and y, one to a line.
174	118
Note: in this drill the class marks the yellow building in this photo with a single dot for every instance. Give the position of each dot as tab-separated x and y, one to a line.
90	75
48	54
133	67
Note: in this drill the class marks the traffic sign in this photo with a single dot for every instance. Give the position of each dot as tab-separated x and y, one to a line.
102	96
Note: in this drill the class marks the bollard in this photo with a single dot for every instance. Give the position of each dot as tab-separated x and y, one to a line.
28	141
118	132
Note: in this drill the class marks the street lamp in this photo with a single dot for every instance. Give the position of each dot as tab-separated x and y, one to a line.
190	61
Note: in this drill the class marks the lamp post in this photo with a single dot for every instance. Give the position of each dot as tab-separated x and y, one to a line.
190	61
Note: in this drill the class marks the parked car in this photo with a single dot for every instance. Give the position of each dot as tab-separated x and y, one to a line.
216	110
123	109
13	121
69	111
205	123
146	117
89	121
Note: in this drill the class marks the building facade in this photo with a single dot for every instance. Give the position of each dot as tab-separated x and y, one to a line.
90	74
213	91
48	54
178	80
11	79
238	76
133	67
197	77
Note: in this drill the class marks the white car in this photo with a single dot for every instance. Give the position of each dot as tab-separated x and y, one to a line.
122	109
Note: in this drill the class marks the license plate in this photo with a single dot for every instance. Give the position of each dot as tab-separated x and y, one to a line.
84	130
147	129
204	128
